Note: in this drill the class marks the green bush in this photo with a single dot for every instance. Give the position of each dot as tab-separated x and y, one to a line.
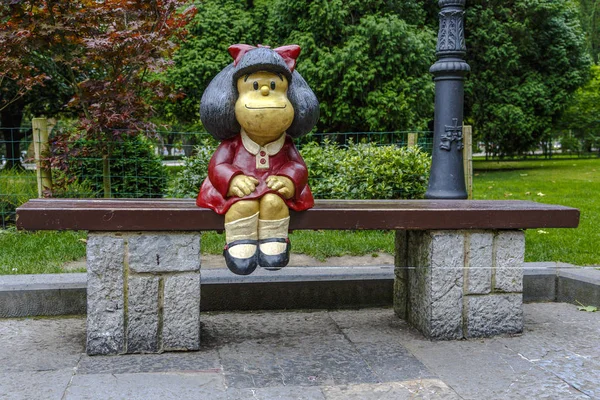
570	144
356	171
136	171
366	171
195	168
16	187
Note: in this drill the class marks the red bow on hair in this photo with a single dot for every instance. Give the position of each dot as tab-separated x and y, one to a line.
288	53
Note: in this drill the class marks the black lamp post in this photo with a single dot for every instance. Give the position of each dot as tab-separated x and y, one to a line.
447	173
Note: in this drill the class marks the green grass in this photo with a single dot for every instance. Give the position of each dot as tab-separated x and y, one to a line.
573	182
16	187
42	252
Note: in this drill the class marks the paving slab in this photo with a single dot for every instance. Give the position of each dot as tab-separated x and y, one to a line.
35	385
144	386
47	344
206	360
298	361
421	389
320	355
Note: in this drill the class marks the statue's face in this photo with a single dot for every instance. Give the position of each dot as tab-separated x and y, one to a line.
262	108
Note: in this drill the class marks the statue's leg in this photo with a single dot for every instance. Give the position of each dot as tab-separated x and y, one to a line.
241	225
273	224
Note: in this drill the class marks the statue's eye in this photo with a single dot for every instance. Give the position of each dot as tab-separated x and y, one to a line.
272	85
255	85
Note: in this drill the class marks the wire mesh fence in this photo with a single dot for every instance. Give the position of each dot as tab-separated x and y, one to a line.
158	164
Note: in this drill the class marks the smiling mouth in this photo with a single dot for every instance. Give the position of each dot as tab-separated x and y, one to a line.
263	108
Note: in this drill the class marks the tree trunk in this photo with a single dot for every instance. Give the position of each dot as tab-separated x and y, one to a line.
170	141
11	118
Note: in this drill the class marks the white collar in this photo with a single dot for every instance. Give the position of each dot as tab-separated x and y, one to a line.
255	148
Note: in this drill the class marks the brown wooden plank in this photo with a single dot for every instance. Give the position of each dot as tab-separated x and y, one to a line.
183	215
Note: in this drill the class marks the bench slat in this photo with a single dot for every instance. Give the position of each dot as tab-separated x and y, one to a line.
183	215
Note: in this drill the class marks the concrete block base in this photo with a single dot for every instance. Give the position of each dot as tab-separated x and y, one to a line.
143	292
460	284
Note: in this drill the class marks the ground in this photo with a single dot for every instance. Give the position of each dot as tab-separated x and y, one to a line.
351	354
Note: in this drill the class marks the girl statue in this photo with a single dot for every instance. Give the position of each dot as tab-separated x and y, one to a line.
255	106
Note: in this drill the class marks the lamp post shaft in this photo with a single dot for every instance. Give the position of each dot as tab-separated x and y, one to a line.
447	172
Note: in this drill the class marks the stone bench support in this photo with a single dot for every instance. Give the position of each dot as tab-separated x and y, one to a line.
143	292
460	284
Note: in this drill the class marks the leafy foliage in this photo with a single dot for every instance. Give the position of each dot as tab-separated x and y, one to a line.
136	171
367	61
356	171
108	52
582	118
527	57
366	171
590	20
195	169
16	188
216	25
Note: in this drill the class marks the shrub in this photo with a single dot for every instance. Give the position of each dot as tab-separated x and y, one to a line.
16	187
195	168
366	171
356	171
136	171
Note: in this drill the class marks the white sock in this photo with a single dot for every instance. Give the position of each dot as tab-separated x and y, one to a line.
241	229
268	229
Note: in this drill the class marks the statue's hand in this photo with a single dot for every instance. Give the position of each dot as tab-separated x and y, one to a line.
282	184
242	185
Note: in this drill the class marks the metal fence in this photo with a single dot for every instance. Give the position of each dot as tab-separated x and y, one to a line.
151	164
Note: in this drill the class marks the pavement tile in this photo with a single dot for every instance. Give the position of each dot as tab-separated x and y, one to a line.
296	361
559	326
371	325
277	393
392	362
581	372
153	386
39	385
238	327
563	342
419	389
487	369
204	360
41	344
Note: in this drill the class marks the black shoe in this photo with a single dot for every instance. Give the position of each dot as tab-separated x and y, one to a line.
241	266
277	261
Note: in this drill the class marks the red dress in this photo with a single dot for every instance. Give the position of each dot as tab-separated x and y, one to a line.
233	158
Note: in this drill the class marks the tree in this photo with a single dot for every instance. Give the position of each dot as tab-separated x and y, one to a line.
25	84
216	25
367	61
590	20
527	58
108	52
582	118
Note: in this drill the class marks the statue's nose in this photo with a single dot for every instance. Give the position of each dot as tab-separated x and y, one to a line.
264	90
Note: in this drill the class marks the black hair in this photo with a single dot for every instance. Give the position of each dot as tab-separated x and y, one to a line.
217	106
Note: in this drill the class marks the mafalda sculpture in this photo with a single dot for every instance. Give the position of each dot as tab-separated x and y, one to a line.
255	106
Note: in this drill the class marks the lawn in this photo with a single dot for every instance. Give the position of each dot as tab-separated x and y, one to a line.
38	252
574	183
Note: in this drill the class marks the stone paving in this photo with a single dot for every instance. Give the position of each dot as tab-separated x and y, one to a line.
350	354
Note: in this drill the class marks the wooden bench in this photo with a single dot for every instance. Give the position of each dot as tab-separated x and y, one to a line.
458	263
